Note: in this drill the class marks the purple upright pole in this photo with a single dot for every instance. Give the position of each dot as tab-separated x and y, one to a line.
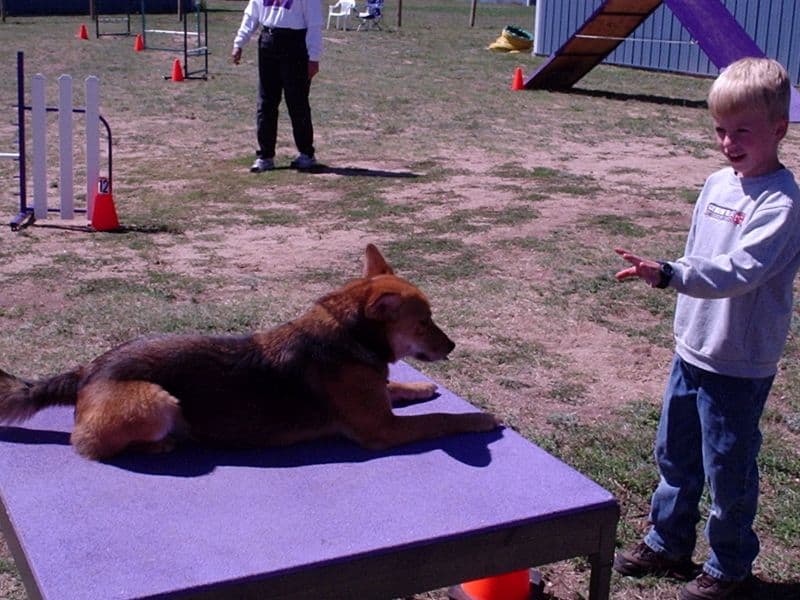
25	214
715	29
721	37
23	199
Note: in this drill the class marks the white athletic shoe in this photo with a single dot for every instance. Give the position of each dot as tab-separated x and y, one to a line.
303	161
262	164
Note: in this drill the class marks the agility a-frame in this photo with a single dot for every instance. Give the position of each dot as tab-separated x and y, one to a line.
709	22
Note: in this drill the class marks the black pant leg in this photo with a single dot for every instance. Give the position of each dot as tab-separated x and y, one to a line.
270	88
296	89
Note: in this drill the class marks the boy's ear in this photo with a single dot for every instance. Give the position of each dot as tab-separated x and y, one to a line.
781	128
374	263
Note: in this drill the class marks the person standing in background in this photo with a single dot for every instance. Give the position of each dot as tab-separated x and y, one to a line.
289	49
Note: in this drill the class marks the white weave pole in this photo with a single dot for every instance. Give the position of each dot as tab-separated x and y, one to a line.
65	144
39	139
92	92
65	183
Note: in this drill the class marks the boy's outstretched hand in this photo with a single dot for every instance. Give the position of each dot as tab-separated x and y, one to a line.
644	268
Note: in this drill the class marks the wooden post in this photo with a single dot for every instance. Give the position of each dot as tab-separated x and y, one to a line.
472	13
92	8
399	12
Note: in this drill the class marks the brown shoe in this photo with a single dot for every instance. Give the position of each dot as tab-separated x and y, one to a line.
706	587
643	560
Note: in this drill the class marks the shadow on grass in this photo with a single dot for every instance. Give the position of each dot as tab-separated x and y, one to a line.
360	172
768	590
322	169
90	229
649	98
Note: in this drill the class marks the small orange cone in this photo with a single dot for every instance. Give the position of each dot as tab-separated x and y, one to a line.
509	586
177	71
104	214
517	83
83	33
138	43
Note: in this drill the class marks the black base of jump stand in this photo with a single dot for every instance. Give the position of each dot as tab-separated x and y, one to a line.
22	220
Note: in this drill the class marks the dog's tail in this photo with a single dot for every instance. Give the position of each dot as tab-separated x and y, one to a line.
20	399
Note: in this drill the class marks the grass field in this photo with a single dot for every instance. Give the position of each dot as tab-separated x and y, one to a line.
503	206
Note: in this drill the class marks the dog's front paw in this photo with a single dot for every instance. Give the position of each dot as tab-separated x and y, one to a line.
484	421
420	390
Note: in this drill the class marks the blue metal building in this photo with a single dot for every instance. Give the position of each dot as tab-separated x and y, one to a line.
81	7
662	43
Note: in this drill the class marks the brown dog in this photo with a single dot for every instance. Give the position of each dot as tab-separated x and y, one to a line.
322	374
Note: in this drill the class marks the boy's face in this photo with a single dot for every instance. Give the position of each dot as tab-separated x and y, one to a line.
749	140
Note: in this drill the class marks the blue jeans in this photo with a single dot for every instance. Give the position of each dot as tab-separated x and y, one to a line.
708	432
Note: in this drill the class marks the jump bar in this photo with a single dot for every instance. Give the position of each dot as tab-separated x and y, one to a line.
317	520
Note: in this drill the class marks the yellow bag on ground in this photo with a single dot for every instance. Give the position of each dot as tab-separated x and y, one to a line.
512	39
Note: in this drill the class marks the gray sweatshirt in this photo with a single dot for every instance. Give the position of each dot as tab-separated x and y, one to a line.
735	279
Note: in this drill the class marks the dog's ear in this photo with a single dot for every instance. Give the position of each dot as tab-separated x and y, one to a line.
374	263
383	307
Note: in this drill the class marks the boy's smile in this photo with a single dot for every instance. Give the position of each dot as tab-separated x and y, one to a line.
749	140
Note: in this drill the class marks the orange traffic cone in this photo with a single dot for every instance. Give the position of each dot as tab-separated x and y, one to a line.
516	83
83	33
509	586
177	71
104	214
138	43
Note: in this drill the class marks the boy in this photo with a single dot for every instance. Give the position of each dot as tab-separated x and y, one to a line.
732	317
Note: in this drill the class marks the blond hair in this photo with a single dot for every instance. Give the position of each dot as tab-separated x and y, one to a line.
751	84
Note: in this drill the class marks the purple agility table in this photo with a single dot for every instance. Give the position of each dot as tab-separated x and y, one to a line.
319	520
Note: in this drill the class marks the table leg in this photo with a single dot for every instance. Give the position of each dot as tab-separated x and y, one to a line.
601	562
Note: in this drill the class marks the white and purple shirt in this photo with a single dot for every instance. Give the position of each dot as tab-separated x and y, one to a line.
284	14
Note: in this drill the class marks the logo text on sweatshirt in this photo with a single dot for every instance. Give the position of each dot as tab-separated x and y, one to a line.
725	214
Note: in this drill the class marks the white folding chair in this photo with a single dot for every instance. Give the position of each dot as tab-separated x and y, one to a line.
341	10
371	15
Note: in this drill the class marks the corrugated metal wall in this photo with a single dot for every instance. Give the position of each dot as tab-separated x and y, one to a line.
18	8
660	42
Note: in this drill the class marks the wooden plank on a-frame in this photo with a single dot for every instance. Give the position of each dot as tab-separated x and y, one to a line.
709	22
602	32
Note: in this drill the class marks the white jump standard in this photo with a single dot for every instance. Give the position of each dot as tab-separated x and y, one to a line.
65	109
